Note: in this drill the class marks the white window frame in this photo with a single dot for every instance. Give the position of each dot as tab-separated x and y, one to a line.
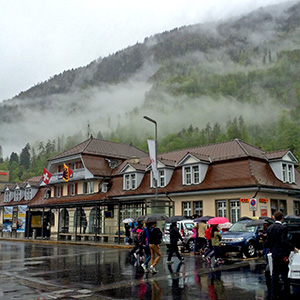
287	173
198	207
221	208
161	178
17	195
6	196
235	210
186	208
28	193
129	181
191	174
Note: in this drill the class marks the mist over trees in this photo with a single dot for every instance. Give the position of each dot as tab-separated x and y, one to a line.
203	84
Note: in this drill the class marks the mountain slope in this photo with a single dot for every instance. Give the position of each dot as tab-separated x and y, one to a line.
190	75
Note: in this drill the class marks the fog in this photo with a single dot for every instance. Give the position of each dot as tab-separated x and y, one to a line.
124	104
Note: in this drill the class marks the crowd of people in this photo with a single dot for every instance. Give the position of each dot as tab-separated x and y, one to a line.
147	239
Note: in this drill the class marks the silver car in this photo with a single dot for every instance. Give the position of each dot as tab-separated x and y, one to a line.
186	230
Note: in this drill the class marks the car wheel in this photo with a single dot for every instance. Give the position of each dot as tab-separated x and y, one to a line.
190	245
250	250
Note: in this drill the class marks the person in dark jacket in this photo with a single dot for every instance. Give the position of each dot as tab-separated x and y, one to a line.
175	236
280	247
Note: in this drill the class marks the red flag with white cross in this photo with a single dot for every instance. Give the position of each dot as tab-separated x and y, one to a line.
46	176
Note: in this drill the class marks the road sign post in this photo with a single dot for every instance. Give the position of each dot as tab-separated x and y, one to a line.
253	205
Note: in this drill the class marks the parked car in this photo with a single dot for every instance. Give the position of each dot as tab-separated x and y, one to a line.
185	228
242	239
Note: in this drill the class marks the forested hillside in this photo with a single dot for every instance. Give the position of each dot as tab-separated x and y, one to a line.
202	84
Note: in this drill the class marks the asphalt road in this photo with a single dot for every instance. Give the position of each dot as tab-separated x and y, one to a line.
58	271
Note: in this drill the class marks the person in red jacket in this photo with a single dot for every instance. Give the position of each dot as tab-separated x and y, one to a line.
208	241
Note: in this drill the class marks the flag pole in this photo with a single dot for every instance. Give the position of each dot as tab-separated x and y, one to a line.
155	123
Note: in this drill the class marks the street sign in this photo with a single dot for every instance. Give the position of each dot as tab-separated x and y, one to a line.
253	204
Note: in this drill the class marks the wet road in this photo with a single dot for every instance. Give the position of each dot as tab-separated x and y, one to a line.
55	271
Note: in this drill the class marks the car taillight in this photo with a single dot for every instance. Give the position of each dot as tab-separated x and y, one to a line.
182	232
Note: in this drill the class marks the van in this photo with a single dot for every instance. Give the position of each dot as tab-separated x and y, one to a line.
186	230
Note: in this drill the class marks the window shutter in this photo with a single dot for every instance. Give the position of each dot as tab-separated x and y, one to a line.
68	190
76	188
54	191
59	168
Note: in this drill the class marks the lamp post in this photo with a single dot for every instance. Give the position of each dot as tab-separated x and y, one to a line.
155	123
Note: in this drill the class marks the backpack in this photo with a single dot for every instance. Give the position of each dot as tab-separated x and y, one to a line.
156	234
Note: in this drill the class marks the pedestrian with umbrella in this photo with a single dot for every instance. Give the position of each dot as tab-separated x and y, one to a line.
175	236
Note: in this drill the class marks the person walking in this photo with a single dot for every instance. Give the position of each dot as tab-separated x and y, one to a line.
175	236
146	232
280	247
155	236
208	234
215	242
127	233
201	226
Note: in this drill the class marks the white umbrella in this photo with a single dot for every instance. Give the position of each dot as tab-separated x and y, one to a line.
128	220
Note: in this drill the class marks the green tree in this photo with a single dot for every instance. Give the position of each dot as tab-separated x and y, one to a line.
25	157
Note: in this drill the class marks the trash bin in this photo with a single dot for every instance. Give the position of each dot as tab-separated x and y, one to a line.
34	233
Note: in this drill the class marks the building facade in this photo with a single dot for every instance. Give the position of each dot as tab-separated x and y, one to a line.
113	181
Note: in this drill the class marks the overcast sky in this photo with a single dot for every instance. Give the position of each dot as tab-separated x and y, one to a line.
41	38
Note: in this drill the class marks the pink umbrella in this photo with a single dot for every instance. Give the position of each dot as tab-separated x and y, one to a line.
217	220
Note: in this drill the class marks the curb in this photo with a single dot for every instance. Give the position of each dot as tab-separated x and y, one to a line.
37	241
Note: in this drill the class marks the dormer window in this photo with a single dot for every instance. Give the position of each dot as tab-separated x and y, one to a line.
287	173
161	178
6	196
129	181
191	174
28	194
17	195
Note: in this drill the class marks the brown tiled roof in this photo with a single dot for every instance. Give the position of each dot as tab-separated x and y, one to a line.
217	152
276	154
97	165
104	148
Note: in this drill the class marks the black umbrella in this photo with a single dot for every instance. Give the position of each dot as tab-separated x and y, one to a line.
140	218
202	219
268	219
175	219
244	219
155	218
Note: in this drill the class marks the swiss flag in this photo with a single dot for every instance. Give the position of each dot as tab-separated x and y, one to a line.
46	176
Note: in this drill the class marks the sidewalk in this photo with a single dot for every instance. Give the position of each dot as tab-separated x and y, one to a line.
54	241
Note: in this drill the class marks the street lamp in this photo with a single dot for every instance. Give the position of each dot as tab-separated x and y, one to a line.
155	123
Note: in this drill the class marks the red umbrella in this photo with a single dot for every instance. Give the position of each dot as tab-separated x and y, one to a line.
217	220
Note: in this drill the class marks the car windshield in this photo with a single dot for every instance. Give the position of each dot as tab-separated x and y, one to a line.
189	226
241	227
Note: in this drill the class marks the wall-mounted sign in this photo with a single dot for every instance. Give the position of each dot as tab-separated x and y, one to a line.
244	200
263	200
